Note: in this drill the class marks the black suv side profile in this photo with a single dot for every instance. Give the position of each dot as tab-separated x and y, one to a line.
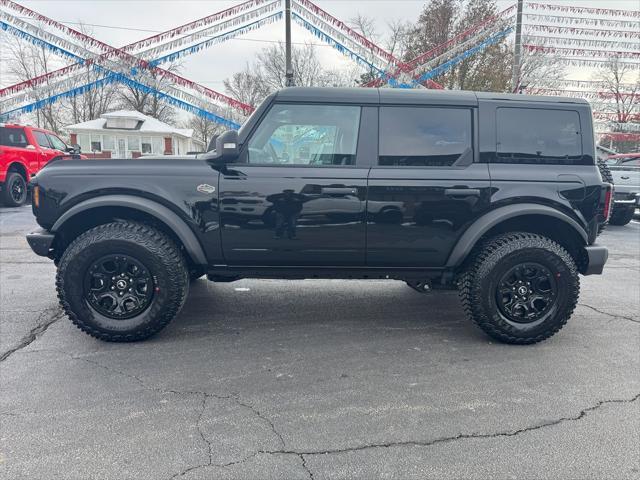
496	195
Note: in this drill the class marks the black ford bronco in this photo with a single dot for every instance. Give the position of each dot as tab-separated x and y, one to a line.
496	195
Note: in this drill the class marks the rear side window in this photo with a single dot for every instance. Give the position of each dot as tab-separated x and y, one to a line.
41	139
538	136
13	137
424	136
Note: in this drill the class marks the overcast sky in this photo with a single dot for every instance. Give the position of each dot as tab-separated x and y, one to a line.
118	22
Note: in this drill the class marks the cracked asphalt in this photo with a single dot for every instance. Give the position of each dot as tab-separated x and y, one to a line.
317	379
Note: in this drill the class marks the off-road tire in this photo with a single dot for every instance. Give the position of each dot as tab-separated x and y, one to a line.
605	172
7	197
477	285
622	216
157	252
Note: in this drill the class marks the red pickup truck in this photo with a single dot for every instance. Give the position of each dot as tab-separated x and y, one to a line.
23	151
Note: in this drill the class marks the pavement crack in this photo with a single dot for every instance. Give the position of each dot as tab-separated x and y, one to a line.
462	436
305	466
263	418
621	317
43	322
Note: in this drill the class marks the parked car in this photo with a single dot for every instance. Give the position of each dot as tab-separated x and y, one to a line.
625	173
24	150
495	195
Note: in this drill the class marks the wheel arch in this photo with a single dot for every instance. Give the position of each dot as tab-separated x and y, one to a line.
99	210
531	218
20	167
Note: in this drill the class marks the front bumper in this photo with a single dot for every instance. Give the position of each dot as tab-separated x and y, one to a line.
40	242
625	197
597	256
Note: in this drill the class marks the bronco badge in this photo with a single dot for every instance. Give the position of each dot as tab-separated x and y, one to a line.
205	188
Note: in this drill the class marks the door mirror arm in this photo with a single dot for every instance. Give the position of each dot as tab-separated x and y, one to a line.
227	149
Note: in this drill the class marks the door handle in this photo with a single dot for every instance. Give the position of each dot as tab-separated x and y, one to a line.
462	192
339	191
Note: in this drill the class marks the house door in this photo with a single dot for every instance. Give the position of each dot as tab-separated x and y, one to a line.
122	148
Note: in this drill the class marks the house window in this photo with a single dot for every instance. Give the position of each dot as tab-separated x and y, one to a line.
146	145
133	144
109	143
96	143
158	145
85	142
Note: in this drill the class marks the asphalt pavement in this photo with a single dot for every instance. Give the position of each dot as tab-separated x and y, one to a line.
317	379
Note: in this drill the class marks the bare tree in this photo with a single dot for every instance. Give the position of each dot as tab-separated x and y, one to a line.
622	84
203	129
133	98
247	87
25	61
540	70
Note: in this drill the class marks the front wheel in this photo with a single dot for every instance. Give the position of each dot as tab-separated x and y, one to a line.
520	287
14	193
122	281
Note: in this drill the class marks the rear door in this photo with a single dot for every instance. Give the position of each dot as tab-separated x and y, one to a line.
297	196
427	186
16	147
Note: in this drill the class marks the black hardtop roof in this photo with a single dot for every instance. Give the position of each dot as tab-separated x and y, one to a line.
396	96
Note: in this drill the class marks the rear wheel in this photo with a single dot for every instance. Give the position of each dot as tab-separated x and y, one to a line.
520	288
122	281
621	216
14	192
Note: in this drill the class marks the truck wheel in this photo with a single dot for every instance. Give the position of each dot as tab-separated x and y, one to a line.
621	216
14	192
122	281
520	287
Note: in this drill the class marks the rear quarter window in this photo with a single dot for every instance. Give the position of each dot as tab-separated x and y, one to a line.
539	136
13	137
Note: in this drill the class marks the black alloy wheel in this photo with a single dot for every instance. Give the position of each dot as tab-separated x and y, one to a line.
526	292
118	286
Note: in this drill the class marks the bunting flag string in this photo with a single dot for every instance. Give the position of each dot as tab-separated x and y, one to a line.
588	21
127	81
443	47
583	10
592	84
463	56
356	36
596	32
465	46
70	82
335	44
339	37
585	94
619	137
7	104
616	116
194	25
581	52
584	42
233	24
129	58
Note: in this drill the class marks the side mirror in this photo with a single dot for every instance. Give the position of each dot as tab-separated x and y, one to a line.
227	148
73	149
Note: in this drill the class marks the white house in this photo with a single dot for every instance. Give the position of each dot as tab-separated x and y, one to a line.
130	134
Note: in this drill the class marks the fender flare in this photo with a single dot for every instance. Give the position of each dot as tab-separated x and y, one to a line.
18	162
481	226
162	213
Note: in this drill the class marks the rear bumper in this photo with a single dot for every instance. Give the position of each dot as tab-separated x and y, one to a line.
40	242
597	256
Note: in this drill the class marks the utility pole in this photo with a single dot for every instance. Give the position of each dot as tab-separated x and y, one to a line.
287	25
515	77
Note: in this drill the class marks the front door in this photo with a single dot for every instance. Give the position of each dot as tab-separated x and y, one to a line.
426	188
122	148
297	197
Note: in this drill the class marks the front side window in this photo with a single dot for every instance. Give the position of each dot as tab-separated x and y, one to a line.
424	136
57	143
528	135
315	135
41	139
